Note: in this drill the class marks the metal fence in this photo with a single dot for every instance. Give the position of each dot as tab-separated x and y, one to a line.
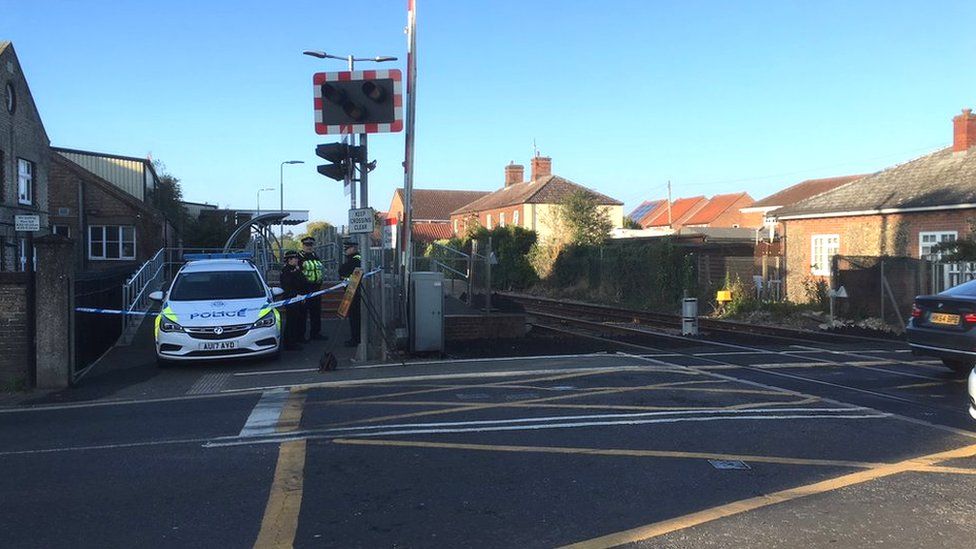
96	334
136	290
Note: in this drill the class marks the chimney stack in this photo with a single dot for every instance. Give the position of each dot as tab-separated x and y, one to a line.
514	173
963	131
542	167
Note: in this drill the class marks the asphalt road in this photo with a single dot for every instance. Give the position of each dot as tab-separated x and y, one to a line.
693	444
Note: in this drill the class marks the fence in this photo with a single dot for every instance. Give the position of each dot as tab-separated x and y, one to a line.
95	334
883	287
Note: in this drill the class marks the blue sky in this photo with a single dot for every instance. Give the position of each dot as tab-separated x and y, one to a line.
623	95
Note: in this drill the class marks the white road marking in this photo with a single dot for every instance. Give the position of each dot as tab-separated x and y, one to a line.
264	417
209	383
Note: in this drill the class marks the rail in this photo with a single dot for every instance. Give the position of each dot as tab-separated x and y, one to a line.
135	293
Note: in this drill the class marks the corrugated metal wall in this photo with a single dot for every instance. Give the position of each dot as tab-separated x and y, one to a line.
125	174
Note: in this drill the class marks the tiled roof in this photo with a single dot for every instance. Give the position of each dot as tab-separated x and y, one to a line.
551	189
936	180
803	190
679	208
429	232
716	206
429	204
645	208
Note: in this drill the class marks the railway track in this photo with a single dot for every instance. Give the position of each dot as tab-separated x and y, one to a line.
707	325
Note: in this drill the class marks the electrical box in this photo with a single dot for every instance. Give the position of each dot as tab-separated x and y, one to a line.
427	312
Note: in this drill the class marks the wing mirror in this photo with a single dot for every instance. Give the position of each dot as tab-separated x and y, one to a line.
157	296
277	292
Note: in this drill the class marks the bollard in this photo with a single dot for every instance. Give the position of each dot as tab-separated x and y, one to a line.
689	316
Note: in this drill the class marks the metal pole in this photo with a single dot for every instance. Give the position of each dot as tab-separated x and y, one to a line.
488	277
409	130
281	204
364	241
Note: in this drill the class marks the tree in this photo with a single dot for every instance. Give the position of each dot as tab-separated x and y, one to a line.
168	198
582	219
629	223
963	249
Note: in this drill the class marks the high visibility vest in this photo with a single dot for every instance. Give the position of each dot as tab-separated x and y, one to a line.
312	270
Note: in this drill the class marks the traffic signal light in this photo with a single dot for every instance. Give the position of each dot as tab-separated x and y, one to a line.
358	102
341	157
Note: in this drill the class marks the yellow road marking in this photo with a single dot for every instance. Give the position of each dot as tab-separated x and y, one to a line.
947	470
486	406
607	452
291	414
929	384
280	520
680	523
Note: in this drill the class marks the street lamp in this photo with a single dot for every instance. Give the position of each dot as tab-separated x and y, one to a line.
348	58
259	198
281	188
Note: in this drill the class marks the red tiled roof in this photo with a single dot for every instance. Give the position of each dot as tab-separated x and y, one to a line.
718	205
429	232
803	190
679	208
437	204
550	189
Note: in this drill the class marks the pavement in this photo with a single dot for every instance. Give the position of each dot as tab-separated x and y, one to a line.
742	443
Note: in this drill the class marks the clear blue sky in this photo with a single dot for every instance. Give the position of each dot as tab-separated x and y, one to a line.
623	95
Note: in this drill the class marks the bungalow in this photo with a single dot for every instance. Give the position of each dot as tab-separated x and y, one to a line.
431	212
904	211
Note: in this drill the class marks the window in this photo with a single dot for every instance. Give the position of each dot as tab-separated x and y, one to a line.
488	223
25	181
501	219
111	242
62	230
926	240
208	286
823	247
455	226
515	217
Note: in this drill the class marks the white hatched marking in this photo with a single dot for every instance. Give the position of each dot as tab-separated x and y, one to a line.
264	417
208	384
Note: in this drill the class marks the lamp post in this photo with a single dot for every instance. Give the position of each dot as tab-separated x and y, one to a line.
259	198
281	189
363	190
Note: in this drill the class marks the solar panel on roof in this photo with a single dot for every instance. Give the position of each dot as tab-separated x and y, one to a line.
642	210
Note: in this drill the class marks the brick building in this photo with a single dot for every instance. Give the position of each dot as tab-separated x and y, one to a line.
900	211
431	211
110	227
530	204
24	154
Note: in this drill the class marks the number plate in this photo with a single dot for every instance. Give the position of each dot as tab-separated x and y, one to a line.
943	318
218	345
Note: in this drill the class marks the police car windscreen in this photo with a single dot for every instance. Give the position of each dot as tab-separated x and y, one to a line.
217	285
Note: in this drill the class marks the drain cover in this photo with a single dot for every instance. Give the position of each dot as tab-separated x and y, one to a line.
728	464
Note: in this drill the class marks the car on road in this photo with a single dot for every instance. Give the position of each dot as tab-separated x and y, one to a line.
944	326
217	308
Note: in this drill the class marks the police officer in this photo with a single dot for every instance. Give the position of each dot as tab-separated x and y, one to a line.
313	270
353	261
293	283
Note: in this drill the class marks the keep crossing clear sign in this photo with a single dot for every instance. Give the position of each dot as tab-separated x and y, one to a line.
361	221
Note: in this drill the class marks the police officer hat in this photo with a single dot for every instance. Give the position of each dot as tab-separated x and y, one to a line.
290	254
308	240
349	244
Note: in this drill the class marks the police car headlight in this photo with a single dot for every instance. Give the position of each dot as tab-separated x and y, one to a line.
169	326
268	320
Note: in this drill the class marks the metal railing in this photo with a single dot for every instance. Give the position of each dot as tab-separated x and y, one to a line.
136	290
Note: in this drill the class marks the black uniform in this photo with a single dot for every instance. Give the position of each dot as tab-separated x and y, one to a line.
293	283
345	271
311	267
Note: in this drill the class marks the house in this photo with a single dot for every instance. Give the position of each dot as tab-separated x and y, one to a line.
110	226
645	208
669	215
791	195
725	210
530	204
24	160
431	212
900	211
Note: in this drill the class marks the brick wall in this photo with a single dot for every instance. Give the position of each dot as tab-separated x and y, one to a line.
13	330
495	326
22	135
871	235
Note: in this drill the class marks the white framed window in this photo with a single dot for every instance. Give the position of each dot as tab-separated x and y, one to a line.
822	248
928	239
501	219
25	181
455	226
62	230
515	217
488	224
112	242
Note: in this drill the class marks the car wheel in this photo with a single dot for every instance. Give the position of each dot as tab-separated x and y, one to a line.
961	367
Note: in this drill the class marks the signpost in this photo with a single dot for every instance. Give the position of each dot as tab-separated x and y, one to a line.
361	221
27	223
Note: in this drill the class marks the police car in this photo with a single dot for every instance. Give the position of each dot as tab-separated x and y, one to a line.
217	308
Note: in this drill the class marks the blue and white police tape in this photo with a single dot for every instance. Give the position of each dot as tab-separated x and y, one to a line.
276	304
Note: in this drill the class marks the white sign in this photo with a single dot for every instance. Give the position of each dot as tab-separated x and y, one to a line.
27	223
361	221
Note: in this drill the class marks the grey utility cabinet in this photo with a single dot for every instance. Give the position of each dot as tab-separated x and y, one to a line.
427	312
